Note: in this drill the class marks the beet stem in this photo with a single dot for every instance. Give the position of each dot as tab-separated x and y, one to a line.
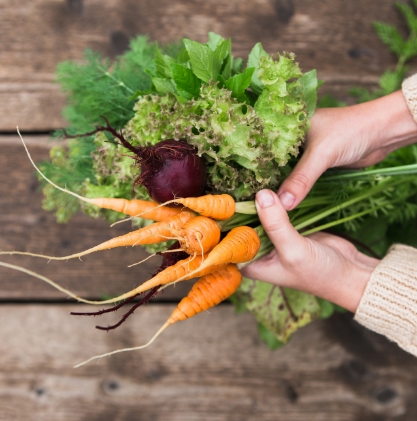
107	310
144	300
109	129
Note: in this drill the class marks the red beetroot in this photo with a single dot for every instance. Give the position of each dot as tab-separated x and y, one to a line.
171	169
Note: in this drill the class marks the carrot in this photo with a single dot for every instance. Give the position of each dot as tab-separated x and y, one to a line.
200	235
240	245
218	206
207	292
150	210
155	233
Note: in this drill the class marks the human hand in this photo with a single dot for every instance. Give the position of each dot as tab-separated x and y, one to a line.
321	264
353	137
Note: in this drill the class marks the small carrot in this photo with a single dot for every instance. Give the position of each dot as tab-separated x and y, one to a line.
240	245
199	235
150	210
151	234
207	292
218	206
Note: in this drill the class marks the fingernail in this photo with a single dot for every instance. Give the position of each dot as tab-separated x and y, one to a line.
287	200
265	199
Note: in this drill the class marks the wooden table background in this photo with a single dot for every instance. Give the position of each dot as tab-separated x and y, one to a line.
212	367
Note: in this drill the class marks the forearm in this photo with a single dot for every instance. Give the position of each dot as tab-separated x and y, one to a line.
393	122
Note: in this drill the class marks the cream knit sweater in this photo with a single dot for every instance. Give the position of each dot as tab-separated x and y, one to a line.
389	304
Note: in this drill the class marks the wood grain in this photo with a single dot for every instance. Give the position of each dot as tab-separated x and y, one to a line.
334	36
25	226
212	367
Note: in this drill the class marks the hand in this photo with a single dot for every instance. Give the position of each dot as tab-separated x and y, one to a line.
354	137
322	264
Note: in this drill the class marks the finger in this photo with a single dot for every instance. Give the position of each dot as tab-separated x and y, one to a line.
295	188
268	269
277	225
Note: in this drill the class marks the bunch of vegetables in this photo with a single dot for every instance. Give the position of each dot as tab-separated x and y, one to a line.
193	134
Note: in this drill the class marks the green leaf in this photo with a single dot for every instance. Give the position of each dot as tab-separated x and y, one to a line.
280	310
214	40
238	83
237	64
390	81
163	65
222	50
253	61
408	15
183	57
390	36
310	89
269	338
410	48
187	83
164	86
204	63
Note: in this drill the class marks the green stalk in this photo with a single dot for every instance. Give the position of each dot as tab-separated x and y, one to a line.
247	208
344	175
237	220
311	219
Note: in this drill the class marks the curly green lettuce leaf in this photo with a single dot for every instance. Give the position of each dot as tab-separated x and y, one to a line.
282	106
281	311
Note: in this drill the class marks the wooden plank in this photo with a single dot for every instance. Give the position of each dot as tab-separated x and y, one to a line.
25	226
211	367
334	36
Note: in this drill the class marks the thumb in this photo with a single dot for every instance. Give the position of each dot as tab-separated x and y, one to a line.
276	223
297	185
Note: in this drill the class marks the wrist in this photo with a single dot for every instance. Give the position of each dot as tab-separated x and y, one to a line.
392	122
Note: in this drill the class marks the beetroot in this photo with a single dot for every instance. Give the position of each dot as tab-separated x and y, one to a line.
171	169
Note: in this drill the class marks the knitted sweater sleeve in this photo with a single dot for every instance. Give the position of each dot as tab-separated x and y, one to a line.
389	304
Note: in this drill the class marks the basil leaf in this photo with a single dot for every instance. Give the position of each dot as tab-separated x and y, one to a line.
253	61
183	57
163	65
203	61
238	83
163	86
188	84
237	64
214	40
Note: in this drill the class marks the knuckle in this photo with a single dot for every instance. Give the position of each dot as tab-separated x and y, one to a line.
300	180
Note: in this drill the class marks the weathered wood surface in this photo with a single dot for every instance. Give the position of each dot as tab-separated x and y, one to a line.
211	368
334	36
25	226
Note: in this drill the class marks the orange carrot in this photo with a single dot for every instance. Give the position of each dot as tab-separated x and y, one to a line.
207	292
240	245
200	235
135	207
155	233
218	206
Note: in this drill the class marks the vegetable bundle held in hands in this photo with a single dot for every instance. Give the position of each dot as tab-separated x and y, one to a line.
200	134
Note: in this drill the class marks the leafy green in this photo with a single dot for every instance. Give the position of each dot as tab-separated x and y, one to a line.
279	310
